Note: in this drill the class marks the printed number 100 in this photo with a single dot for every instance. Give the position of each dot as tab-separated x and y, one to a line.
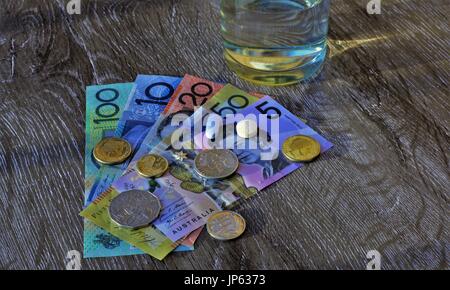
107	109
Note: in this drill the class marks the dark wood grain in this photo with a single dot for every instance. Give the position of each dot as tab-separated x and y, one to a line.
382	99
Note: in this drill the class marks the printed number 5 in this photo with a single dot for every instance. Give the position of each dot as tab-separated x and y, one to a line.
277	111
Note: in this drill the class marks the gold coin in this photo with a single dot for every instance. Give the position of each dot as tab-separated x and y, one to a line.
152	165
111	151
301	148
225	225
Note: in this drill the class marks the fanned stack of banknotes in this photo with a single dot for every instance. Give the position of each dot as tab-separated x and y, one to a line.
148	191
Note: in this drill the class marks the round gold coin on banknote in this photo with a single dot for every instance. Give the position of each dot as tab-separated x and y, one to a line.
225	225
152	165
216	163
301	148
112	150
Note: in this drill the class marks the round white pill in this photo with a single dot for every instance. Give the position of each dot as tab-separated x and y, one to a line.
247	128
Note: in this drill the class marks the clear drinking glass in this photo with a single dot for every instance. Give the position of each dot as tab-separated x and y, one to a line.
275	42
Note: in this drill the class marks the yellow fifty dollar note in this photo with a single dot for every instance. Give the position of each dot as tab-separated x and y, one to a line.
150	240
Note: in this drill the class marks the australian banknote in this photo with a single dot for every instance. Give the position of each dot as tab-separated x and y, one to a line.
104	108
261	161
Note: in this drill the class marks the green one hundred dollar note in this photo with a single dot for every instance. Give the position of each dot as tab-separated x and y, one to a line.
104	108
105	105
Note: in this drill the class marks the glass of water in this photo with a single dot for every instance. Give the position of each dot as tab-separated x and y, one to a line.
275	42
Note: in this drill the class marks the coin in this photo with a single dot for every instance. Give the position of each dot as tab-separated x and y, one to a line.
152	165
134	209
301	148
180	173
247	128
192	186
225	225
216	163
111	151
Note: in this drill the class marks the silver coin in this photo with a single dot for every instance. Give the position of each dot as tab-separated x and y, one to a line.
134	209
216	163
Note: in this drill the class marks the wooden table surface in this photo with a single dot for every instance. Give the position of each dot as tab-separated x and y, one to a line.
382	99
